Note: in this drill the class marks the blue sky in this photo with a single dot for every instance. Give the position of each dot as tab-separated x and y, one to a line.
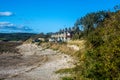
46	15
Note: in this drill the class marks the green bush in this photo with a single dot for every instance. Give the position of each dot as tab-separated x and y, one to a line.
102	60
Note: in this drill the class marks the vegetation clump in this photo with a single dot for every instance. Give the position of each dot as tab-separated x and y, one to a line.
100	59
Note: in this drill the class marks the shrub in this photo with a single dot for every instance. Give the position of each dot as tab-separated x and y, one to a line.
102	60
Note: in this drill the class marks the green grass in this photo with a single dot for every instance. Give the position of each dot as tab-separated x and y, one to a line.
67	78
67	70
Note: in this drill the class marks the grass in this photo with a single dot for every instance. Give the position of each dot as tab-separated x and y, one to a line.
67	78
9	47
62	47
67	70
79	43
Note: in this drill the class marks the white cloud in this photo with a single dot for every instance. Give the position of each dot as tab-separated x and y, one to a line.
3	24
7	13
10	26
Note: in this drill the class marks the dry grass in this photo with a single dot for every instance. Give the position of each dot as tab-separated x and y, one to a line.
62	48
79	43
9	47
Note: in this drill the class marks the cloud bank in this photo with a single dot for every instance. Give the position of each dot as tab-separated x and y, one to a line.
10	27
7	13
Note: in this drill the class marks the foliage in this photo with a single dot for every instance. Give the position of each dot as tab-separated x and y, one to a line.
91	20
77	35
101	61
101	58
67	70
67	78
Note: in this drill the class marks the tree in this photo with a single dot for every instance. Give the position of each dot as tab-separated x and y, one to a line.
69	29
102	59
91	20
61	31
66	29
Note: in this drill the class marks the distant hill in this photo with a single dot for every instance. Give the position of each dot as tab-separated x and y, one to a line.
15	36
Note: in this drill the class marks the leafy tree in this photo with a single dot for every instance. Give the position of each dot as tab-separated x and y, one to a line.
102	59
69	29
91	20
66	29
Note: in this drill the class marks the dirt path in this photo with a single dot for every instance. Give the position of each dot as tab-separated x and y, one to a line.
37	64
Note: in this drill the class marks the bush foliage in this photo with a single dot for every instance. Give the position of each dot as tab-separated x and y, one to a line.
101	60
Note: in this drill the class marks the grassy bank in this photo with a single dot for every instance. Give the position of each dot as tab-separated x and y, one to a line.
62	47
9	47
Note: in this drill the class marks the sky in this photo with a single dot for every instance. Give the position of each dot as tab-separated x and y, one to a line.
36	16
